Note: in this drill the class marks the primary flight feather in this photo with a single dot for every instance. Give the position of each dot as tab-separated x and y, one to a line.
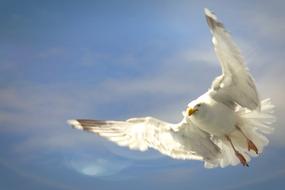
225	126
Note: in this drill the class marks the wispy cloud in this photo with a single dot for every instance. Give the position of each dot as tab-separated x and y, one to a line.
98	167
195	56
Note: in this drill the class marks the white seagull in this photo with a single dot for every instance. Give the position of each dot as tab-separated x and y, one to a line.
225	126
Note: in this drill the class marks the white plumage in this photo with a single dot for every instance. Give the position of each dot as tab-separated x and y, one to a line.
221	127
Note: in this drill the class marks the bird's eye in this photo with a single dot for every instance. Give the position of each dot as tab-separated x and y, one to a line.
198	105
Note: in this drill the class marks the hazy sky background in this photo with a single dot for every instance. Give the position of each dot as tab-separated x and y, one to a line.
119	59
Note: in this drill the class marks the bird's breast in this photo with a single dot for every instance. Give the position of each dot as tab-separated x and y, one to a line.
218	119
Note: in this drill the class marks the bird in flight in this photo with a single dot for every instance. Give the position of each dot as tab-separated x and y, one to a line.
225	126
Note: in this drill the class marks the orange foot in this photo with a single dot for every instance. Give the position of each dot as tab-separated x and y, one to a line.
241	159
251	146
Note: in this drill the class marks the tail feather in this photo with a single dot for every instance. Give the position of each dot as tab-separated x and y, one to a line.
255	124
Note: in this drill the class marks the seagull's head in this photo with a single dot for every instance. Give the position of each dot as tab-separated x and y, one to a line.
194	110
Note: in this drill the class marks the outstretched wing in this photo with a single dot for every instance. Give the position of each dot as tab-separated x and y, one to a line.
235	85
148	132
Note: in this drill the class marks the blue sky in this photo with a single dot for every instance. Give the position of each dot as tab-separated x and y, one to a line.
120	59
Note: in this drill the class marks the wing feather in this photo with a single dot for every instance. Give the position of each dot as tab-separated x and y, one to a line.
148	132
235	85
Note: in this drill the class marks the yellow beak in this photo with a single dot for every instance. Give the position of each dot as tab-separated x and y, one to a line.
191	111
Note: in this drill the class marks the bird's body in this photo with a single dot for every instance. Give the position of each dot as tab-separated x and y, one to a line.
217	118
225	126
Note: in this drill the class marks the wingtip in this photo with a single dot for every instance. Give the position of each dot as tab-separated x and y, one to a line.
75	124
210	14
207	11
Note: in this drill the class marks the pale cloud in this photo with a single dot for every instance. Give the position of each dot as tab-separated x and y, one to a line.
199	55
53	141
98	167
154	85
39	113
33	106
93	58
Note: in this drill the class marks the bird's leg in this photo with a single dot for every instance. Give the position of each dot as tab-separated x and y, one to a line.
237	153
250	144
